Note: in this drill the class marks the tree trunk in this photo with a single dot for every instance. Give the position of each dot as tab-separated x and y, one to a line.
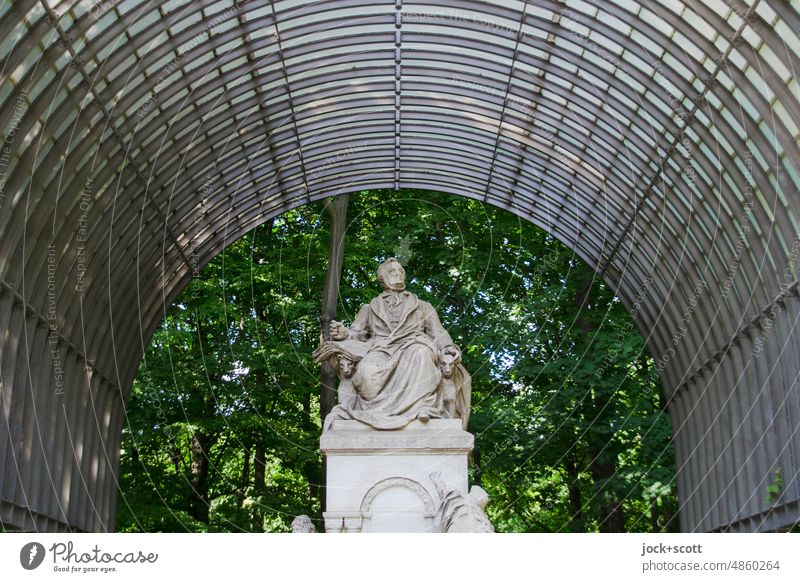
655	525
201	444
575	497
175	454
259	468
612	516
336	208
245	478
671	523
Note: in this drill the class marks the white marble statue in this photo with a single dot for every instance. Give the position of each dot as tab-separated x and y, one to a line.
396	363
303	524
460	512
455	389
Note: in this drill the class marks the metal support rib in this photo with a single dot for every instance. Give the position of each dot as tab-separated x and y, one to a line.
31	310
503	110
708	83
532	105
38	516
66	43
744	330
292	113
257	89
398	59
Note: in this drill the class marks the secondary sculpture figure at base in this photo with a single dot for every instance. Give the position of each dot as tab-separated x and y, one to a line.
460	512
303	524
396	363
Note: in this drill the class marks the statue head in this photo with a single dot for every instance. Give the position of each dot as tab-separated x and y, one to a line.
447	364
479	496
303	524
392	275
346	366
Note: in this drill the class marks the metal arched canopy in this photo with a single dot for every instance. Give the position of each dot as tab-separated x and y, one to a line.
657	139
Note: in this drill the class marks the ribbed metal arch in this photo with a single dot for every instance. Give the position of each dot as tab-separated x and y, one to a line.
660	141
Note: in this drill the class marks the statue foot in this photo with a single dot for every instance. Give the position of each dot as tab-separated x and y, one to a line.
424	416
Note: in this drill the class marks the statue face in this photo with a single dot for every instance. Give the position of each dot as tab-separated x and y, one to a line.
446	365
447	368
303	524
479	495
394	277
346	367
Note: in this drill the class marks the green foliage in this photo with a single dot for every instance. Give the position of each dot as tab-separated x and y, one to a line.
571	433
775	489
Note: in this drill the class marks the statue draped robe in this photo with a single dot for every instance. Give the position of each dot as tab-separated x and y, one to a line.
397	379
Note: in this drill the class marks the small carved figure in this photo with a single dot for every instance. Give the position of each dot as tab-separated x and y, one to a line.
345	367
447	388
455	390
460	512
303	524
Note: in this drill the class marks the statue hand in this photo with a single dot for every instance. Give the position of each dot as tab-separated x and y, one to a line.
338	331
452	351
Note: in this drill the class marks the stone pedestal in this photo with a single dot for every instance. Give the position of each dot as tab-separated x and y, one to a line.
379	481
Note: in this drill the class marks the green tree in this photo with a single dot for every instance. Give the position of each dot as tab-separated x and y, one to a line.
224	417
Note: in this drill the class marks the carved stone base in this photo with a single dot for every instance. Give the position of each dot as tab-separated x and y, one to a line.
379	481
